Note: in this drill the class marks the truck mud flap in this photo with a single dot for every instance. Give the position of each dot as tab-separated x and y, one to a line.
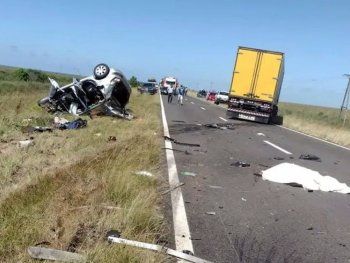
246	116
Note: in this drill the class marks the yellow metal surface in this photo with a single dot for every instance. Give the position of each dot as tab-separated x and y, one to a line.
266	83
243	74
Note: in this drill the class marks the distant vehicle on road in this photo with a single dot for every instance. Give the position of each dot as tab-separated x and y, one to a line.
149	87
152	80
256	85
221	97
211	95
201	94
163	90
166	82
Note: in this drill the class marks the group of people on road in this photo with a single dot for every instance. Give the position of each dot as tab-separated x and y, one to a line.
180	92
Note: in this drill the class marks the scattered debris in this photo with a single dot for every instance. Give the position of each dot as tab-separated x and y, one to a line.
159	248
188	252
112	139
243	199
25	144
310	157
181	143
215	187
278	158
98	134
240	164
260	134
310	228
54	254
221	207
177	150
30	129
72	125
212	213
144	173
220	126
287	173
188	174
173	188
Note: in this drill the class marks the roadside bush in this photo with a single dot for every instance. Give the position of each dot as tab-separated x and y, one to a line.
21	74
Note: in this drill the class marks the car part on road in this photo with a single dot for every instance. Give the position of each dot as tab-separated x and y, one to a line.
220	126
177	150
287	173
278	158
173	188
54	254
211	213
181	143
240	164
25	144
188	174
310	157
168	251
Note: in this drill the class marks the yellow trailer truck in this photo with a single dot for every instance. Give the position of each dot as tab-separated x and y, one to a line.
256	85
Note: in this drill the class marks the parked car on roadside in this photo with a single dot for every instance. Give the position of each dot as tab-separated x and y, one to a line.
149	88
211	96
201	94
221	97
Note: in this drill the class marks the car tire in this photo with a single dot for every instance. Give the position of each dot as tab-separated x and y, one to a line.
101	71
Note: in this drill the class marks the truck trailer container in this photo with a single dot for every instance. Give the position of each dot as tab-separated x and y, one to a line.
256	84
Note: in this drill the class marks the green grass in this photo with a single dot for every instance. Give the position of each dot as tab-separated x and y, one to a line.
59	186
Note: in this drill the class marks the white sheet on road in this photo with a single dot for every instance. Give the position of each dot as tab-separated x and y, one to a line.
286	173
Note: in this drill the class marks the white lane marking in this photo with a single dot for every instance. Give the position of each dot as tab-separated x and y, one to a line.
222	118
192	102
181	228
260	134
202	108
277	147
319	139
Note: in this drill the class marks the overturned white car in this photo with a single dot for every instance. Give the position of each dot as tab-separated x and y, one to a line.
107	90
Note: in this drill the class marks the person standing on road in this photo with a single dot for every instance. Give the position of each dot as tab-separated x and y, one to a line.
180	96
170	93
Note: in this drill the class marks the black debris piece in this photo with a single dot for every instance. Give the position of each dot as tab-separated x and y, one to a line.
181	143
278	158
112	138
195	238
178	121
113	233
291	157
240	164
72	125
177	150
188	252
310	157
263	165
31	129
220	126
310	228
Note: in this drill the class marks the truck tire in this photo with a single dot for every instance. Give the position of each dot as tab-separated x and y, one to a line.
277	120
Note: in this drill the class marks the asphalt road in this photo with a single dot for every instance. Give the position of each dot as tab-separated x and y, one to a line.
251	220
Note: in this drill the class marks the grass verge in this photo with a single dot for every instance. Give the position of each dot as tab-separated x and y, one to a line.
71	187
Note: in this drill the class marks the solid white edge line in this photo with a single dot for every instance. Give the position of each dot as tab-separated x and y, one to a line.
222	118
181	227
203	108
313	137
277	147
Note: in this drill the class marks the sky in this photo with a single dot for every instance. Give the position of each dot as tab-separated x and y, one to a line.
194	40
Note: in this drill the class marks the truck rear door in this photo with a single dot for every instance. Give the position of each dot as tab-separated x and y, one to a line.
266	82
244	72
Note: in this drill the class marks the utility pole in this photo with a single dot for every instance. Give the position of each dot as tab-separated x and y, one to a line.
345	105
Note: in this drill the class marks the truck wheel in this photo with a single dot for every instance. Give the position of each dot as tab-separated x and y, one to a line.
278	120
217	102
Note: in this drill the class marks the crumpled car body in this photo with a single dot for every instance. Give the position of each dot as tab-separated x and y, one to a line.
107	90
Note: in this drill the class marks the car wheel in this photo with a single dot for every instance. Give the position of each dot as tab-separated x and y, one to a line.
101	71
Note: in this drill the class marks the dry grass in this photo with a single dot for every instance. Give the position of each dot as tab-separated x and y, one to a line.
321	122
56	190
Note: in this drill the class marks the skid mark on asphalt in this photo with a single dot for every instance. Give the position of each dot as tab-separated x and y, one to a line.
277	147
221	118
203	108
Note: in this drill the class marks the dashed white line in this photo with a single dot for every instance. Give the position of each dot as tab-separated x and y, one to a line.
203	108
181	227
192	102
277	147
260	134
221	118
